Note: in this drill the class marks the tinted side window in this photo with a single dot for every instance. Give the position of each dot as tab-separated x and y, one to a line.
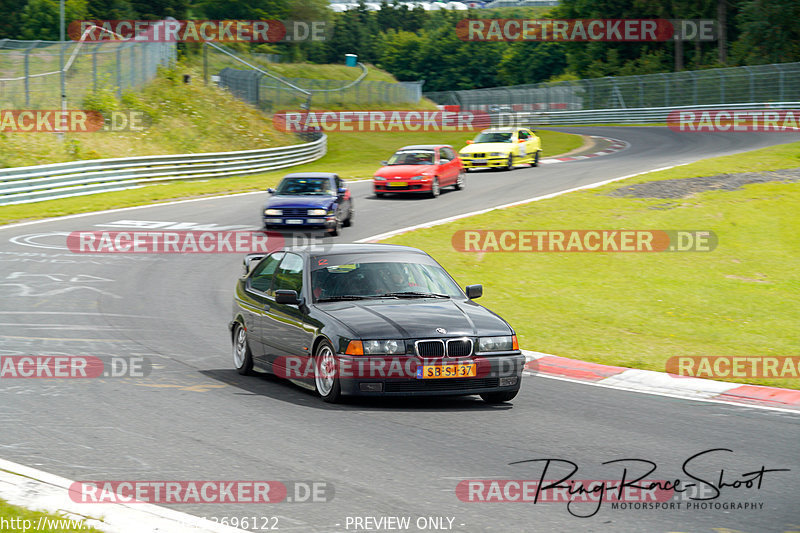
289	275
523	134
447	153
261	279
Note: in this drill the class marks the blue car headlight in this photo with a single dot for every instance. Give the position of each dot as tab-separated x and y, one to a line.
317	212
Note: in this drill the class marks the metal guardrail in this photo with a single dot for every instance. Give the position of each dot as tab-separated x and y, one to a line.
63	180
645	115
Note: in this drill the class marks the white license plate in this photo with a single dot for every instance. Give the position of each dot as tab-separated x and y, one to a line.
294	221
478	161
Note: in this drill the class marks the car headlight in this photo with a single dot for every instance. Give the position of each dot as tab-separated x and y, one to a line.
273	212
496	344
496	154
386	347
421	177
317	212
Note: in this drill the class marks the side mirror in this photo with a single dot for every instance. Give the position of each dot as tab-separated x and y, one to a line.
384	163
271	190
249	259
521	140
443	161
470	141
286	297
342	190
474	291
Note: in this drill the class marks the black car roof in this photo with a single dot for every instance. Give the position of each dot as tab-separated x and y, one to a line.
352	249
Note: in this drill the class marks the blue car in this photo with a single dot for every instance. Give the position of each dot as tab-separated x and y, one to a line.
309	200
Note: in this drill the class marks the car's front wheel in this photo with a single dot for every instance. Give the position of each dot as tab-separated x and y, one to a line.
499	397
242	356
461	182
326	380
435	190
336	228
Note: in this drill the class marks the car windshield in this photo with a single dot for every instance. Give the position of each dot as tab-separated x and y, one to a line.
493	137
305	186
382	278
412	157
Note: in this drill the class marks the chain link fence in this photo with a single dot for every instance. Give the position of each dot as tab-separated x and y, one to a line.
31	71
735	85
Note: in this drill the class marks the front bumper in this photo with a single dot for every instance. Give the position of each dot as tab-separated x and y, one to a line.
393	380
411	186
299	223
484	162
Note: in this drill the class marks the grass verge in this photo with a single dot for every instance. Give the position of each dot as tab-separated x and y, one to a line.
184	118
21	519
637	309
352	155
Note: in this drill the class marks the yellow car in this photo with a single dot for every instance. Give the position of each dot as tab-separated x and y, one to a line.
502	148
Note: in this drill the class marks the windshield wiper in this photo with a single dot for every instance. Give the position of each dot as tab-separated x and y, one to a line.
410	294
343	297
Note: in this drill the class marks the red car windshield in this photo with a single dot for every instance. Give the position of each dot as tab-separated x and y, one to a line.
416	157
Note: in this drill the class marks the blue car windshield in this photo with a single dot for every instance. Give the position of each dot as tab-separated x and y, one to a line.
305	186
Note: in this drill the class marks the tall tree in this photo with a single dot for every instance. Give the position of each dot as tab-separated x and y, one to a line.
40	19
10	12
770	32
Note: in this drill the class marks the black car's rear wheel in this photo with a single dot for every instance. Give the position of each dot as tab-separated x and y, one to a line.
242	357
326	379
349	220
499	397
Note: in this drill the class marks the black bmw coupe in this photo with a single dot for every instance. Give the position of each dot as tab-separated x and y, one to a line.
370	320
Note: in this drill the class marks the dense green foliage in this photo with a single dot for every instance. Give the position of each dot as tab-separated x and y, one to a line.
414	44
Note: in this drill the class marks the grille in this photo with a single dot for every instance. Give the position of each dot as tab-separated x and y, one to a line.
295	212
430	348
459	347
420	385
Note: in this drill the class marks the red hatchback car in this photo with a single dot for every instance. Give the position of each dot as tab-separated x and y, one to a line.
422	168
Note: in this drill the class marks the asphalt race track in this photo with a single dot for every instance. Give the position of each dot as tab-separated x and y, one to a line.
195	418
